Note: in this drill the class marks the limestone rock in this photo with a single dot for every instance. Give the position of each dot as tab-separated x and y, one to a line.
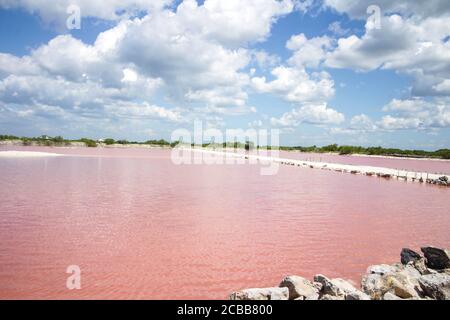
396	279
420	266
402	286
375	285
408	255
299	287
261	294
340	288
391	296
317	285
436	286
382	269
436	258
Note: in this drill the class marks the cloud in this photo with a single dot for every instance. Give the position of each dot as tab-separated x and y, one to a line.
310	91
233	22
443	87
359	124
190	64
195	49
416	113
408	45
229	22
143	111
55	12
189	54
336	28
203	59
362	123
423	9
308	52
265	60
296	85
318	114
407	114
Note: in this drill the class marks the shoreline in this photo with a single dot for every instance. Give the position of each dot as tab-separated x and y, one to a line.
362	155
28	154
151	146
381	172
71	145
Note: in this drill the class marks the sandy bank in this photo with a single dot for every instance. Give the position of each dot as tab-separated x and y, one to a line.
27	154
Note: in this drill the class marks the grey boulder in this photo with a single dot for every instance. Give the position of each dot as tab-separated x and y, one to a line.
408	255
436	258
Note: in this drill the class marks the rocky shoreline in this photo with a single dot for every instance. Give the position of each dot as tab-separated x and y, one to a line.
371	171
416	277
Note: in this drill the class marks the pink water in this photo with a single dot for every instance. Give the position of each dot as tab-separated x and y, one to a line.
141	227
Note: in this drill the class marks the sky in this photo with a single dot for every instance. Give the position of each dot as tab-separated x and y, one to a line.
371	73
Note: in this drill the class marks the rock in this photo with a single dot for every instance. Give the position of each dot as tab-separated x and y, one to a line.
410	271
328	288
317	285
340	288
374	285
382	269
402	287
436	286
299	287
420	266
436	258
391	296
261	294
444	178
350	292
408	255
396	279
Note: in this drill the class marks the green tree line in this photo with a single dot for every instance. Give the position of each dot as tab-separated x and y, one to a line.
335	148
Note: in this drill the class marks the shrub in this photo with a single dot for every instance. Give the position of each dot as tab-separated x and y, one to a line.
89	143
109	141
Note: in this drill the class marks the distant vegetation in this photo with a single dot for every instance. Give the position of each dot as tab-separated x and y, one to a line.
89	142
379	151
41	141
59	141
343	150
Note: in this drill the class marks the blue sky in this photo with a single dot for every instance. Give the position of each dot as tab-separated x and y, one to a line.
320	71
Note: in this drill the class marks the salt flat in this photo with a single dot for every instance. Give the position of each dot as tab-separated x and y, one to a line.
27	154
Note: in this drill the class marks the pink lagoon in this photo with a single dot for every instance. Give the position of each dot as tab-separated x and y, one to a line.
140	227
